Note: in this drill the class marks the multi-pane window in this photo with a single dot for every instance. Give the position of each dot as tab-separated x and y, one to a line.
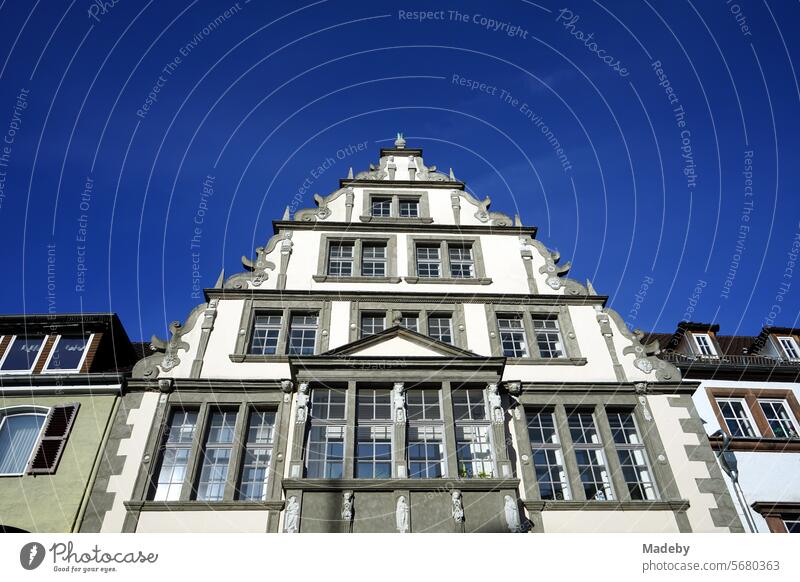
374	434
425	435
302	334
19	433
429	261
548	337
790	348
372	323
410	321
440	327
704	345
590	457
512	336
409	208
792	522
257	456
216	455
325	451
473	446
175	456
22	353
68	353
548	457
734	413
373	260
632	456
462	265
779	418
382	207
266	330
340	259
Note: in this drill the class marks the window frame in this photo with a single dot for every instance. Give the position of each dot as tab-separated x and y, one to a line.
26	410
373	314
445	275
246	445
206	444
386	424
793	345
254	307
748	417
707	336
610	492
281	326
557	447
7	352
359	241
765	438
528	313
76	370
289	328
316	422
425	423
631	448
422	311
485	423
421	197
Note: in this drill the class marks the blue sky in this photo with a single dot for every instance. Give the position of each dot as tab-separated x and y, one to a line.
673	190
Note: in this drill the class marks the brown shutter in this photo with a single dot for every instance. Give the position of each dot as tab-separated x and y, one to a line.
54	438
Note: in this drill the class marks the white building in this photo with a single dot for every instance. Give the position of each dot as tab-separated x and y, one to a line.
401	358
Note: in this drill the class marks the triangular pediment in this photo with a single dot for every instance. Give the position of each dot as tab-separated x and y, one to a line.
399	342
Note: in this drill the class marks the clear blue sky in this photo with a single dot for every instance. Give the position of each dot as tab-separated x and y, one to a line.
650	189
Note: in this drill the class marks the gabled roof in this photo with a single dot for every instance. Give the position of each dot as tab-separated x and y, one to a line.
398	342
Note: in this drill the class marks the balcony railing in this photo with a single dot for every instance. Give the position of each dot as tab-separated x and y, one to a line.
729	360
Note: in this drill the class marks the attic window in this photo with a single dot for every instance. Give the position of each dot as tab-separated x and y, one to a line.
68	354
22	354
704	345
790	349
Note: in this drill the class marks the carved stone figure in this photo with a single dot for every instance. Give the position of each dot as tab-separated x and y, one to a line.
399	402
512	514
292	519
302	402
495	404
347	506
458	506
401	514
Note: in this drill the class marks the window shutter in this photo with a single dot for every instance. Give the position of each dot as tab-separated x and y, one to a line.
54	438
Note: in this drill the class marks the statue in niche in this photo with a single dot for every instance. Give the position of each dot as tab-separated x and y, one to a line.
512	514
292	520
495	404
347	506
302	402
399	402
458	506
401	514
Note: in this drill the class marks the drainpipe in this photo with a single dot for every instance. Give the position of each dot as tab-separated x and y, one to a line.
729	464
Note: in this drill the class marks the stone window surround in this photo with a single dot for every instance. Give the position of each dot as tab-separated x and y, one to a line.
775	512
422	197
424	310
572	353
243	404
480	277
767	441
560	406
357	239
253	307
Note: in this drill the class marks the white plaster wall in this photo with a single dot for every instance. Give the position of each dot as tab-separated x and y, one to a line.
609	522
397	347
339	332
685	472
202	522
477	329
132	448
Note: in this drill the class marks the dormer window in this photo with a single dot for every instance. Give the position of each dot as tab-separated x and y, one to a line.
704	345
21	355
68	354
790	348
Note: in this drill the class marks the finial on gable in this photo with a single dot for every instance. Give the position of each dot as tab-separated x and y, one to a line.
220	280
400	142
287	214
350	173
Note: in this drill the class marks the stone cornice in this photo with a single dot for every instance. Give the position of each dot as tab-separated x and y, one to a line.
389	184
281	225
679	505
655	388
400	484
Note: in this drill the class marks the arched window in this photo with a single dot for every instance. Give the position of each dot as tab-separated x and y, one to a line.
20	427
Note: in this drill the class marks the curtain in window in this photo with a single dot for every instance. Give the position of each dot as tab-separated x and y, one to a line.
18	435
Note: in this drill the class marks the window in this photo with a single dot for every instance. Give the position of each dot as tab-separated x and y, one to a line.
790	348
216	456
440	327
382	207
425	435
257	456
302	334
548	458
325	452
410	321
590	457
473	446
266	330
512	336
175	457
736	418
21	355
429	263
373	260
374	435
409	208
779	418
340	259
462	265
632	456
68	353
704	345
372	323
792	522
19	433
548	337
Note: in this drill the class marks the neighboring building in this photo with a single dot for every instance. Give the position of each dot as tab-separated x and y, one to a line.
61	378
401	358
748	399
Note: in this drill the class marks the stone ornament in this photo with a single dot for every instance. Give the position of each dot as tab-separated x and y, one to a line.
302	402
399	402
495	403
170	347
401	515
457	506
347	506
511	512
292	518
